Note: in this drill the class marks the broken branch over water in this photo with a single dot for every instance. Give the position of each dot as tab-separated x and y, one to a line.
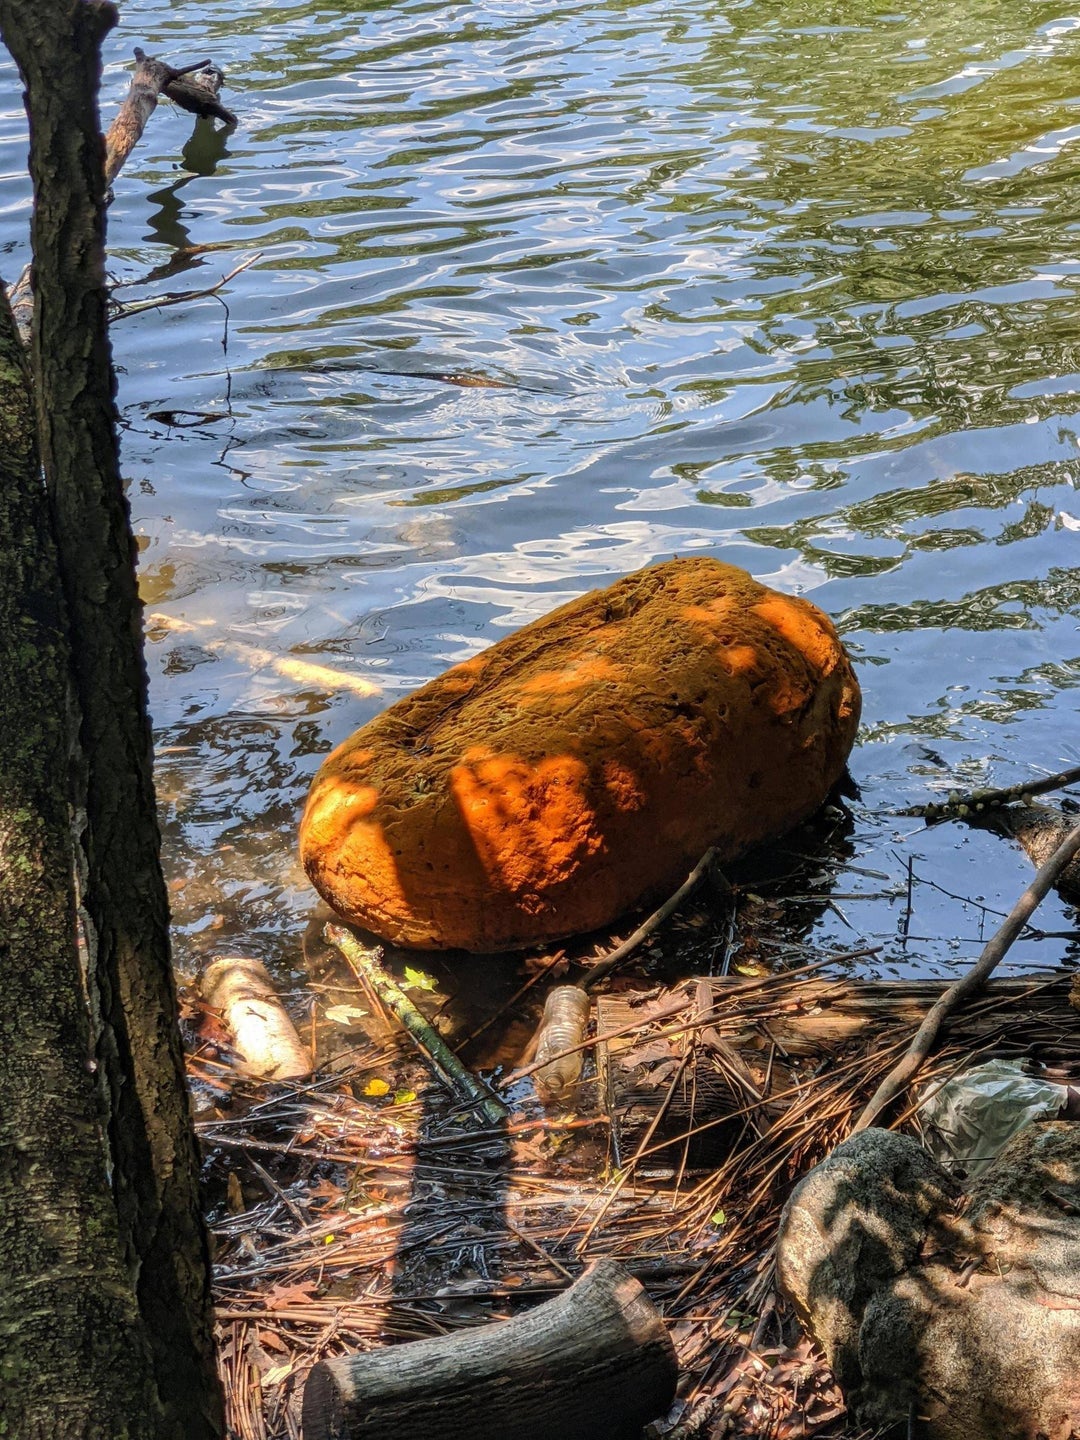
152	78
958	805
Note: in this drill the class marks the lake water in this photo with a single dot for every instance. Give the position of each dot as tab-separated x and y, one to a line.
793	285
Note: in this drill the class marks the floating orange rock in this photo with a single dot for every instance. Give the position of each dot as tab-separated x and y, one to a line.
584	764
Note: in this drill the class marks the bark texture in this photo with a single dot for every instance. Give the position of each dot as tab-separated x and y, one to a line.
595	1363
56	44
66	1307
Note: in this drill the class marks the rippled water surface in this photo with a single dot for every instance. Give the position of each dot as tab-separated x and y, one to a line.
793	285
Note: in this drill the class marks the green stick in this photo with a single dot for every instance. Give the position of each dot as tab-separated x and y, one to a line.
367	967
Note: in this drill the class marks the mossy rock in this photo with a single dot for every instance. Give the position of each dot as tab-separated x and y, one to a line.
583	765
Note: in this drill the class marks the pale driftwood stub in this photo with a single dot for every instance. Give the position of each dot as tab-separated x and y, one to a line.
595	1363
264	1037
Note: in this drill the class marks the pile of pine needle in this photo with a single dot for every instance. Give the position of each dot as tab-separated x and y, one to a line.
366	1208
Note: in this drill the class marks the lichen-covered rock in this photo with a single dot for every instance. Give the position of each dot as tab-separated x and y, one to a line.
584	764
850	1227
943	1325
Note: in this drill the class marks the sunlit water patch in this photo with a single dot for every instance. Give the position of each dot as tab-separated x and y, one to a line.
550	292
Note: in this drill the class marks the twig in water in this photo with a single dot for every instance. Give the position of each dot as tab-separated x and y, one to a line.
993	953
977	800
629	945
177	297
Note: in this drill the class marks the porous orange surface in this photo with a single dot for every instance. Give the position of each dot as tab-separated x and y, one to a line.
584	764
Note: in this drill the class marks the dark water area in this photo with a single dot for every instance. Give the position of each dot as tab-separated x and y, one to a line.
791	285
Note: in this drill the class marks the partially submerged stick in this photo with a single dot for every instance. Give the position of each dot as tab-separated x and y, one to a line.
595	1363
645	929
262	1033
449	1069
152	77
192	87
957	805
178	297
993	953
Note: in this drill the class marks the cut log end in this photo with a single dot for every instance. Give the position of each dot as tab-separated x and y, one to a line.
595	1363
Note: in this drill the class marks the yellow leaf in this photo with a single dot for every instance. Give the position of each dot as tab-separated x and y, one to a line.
376	1087
344	1014
276	1374
329	1239
418	980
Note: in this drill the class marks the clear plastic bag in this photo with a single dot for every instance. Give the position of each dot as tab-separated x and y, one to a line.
967	1121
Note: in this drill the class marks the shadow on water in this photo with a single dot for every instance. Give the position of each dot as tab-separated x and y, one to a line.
168	224
454	1223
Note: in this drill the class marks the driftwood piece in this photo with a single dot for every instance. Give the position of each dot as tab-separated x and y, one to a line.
198	93
262	1033
993	953
595	1363
640	1072
445	1064
815	1018
151	78
1040	829
959	806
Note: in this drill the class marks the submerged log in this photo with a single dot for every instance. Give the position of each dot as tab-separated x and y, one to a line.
1040	829
583	766
595	1363
264	1037
808	1019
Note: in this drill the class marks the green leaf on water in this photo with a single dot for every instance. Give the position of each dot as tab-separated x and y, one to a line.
418	980
718	1217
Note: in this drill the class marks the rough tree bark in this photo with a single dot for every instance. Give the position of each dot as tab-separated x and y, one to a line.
595	1363
136	1050
66	1307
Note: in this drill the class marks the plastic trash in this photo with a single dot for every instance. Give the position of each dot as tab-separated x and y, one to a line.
566	1018
967	1121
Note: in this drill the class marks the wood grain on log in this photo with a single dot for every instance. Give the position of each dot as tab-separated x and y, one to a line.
595	1363
810	1017
194	92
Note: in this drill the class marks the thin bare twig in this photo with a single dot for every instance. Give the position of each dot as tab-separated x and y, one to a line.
630	944
993	953
978	800
178	297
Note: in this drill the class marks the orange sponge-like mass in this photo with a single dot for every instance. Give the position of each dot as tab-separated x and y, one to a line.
585	763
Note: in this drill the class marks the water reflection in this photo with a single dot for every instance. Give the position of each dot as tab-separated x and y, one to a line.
793	286
168	225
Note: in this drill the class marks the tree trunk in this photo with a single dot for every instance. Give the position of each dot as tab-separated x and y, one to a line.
595	1363
73	1354
56	44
